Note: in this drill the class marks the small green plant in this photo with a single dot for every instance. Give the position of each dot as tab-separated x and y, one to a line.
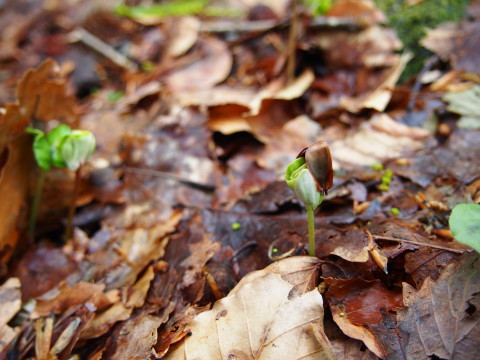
386	178
310	176
236	226
465	224
62	147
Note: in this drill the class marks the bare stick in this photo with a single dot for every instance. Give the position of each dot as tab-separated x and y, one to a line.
87	38
388	238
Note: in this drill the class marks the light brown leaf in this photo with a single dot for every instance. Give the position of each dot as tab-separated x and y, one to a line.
15	164
121	310
43	93
206	72
184	35
442	318
10	304
264	317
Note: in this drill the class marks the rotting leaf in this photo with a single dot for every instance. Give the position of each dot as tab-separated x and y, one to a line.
257	320
442	318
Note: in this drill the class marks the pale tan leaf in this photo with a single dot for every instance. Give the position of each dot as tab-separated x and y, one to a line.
10	304
120	311
265	317
442	318
184	35
379	98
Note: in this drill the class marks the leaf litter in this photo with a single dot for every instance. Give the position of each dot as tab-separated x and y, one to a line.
188	243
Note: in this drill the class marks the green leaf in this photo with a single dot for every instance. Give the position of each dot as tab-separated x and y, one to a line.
467	104
77	148
465	224
56	137
41	152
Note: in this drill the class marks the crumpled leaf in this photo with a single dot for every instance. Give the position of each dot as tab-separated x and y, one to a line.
379	139
10	304
121	310
260	319
467	104
442	318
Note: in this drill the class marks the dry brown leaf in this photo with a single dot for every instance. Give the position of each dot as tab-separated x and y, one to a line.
364	10
15	166
378	98
10	304
120	311
137	338
442	318
206	72
379	139
43	93
69	296
264	317
457	43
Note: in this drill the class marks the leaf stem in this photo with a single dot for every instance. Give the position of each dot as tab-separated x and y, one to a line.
36	203
71	208
311	231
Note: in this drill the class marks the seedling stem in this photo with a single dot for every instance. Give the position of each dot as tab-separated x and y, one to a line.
311	231
36	203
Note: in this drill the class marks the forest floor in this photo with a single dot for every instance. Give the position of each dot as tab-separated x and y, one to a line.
187	242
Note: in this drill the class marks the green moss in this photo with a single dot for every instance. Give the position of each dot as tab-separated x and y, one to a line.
412	23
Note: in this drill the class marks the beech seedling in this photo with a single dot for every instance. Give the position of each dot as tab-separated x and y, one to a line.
310	176
62	147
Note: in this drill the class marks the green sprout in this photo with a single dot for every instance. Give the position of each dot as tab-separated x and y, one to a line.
310	176
387	177
395	211
62	147
236	226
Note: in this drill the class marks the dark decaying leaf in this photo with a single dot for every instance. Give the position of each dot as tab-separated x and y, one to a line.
442	318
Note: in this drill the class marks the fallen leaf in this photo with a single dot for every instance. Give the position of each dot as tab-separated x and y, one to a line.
122	310
10	304
364	11
184	35
43	94
358	306
136	338
442	318
379	139
15	166
379	97
456	43
259	320
206	72
465	103
70	296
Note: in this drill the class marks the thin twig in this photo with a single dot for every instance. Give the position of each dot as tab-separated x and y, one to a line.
236	26
169	176
388	238
87	38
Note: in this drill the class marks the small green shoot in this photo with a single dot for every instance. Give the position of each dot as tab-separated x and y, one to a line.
62	147
310	176
115	96
395	211
386	180
236	226
465	225
377	166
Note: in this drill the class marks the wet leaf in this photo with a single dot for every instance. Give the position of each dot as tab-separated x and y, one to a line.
465	224
442	317
358	306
